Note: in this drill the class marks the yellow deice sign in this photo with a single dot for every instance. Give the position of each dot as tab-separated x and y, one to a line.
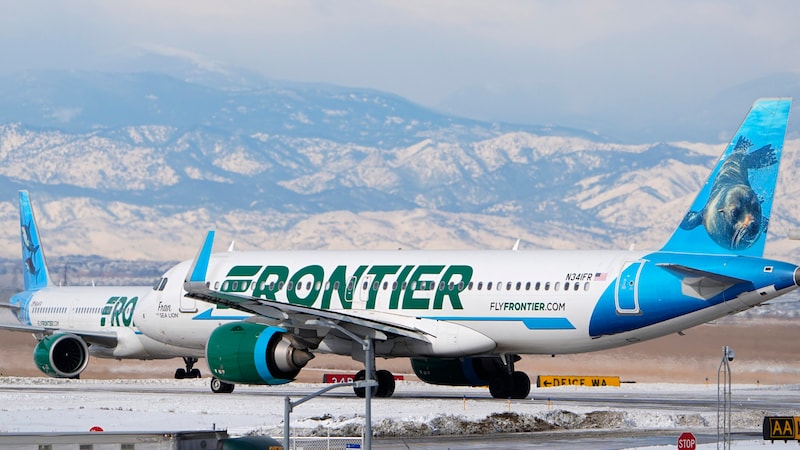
781	428
575	380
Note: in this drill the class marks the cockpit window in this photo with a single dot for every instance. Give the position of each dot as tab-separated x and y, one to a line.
157	284
163	284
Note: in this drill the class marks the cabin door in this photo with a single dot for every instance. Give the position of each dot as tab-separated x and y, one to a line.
626	295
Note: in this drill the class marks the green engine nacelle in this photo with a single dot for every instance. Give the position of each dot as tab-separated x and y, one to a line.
252	353
61	355
470	371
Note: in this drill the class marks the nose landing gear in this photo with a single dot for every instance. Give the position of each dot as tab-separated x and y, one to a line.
189	371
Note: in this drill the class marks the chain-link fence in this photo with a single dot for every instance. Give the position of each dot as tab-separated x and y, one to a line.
324	443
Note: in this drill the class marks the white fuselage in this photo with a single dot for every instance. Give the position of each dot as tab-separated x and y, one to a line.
97	309
529	302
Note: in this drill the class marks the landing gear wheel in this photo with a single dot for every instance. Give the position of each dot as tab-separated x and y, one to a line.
361	392
220	387
385	383
180	374
499	388
521	385
516	386
194	373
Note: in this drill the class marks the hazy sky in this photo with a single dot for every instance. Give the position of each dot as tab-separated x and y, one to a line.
520	55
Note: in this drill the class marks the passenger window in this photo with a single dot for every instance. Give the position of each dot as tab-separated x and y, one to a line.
586	286
480	285
528	286
547	286
508	286
289	285
519	285
489	286
557	286
577	286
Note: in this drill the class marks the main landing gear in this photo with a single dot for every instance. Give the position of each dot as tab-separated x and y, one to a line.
511	384
189	371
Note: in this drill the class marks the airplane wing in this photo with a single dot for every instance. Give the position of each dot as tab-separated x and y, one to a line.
288	315
8	305
701	284
101	338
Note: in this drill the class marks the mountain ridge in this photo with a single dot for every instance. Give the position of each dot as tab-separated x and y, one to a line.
317	166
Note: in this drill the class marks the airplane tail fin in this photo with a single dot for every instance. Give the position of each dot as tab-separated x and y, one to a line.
34	266
731	213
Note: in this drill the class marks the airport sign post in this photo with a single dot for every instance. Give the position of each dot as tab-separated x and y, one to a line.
687	441
781	428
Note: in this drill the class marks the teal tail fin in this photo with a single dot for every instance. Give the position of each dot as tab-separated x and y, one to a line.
731	213
34	266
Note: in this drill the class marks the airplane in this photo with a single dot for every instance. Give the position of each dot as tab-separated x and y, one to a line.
464	317
73	322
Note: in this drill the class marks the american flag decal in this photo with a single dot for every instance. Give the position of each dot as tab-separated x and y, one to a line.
600	276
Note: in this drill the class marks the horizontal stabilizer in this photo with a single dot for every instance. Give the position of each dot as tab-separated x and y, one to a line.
700	284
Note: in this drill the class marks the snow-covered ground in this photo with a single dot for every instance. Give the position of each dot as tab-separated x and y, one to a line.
45	404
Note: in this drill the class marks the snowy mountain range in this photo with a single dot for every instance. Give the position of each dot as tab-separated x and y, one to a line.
139	165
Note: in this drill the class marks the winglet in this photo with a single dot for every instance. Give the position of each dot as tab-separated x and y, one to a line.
731	213
34	266
198	271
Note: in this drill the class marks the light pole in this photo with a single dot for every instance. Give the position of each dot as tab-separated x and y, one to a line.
369	367
724	398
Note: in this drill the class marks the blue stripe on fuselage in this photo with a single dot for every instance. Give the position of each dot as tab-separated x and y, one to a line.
206	315
532	323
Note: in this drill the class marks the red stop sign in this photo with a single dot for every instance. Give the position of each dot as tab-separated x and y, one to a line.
687	442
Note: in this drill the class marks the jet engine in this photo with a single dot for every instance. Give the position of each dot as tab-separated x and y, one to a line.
61	355
252	353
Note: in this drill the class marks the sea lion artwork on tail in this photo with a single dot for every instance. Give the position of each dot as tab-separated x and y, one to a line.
735	203
732	216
